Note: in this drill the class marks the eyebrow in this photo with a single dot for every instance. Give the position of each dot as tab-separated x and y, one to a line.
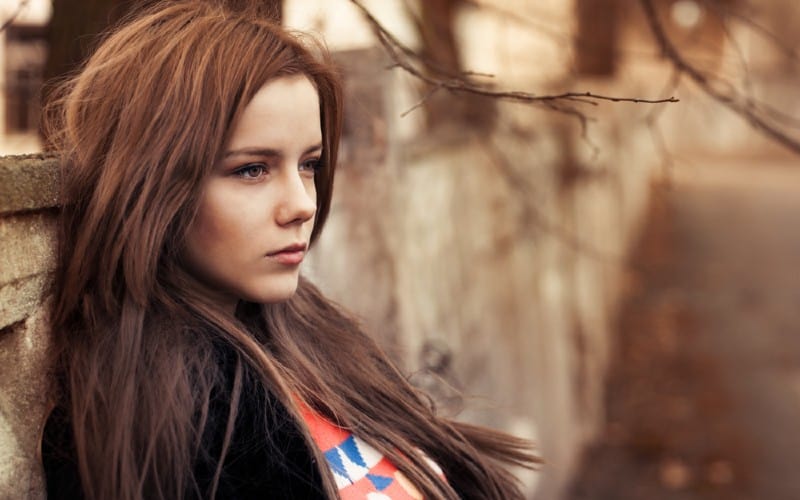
266	152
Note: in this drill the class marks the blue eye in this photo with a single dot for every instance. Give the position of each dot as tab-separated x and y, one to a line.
311	165
251	171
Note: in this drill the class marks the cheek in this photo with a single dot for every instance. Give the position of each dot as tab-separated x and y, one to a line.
219	227
208	226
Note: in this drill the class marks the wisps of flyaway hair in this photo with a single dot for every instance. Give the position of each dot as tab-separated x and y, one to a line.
138	129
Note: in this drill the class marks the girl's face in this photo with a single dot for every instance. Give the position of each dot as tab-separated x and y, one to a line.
257	207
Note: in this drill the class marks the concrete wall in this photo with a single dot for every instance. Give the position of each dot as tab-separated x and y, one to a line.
489	265
28	195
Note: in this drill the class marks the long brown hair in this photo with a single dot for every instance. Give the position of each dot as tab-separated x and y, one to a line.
139	129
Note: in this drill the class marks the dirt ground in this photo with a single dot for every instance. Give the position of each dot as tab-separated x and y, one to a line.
703	398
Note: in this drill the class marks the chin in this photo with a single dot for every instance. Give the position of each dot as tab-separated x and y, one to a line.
275	292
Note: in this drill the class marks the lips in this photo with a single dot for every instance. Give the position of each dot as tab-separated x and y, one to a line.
290	255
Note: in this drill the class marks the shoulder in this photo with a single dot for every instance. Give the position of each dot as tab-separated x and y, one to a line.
267	456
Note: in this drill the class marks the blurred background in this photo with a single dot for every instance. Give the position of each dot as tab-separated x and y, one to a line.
617	280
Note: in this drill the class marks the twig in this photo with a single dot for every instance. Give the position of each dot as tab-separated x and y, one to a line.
421	101
546	28
402	55
789	51
747	82
729	100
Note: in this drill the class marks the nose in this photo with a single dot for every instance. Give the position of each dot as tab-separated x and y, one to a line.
299	200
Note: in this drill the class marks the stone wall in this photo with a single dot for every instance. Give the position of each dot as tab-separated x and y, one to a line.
28	197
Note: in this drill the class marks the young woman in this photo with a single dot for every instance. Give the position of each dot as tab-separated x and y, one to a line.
193	360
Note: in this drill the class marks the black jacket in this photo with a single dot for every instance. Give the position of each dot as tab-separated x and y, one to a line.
259	465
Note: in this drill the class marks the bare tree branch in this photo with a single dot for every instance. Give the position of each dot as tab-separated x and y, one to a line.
747	20
747	82
405	58
547	28
744	108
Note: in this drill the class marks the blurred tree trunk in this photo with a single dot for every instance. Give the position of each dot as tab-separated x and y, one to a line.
436	27
596	41
438	36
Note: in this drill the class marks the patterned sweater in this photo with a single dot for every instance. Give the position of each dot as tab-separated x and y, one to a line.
360	471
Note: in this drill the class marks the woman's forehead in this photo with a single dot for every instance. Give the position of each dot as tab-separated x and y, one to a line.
283	112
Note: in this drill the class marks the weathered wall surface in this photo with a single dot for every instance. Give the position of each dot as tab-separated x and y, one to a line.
28	195
493	261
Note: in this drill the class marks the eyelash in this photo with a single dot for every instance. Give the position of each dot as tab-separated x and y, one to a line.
312	165
242	171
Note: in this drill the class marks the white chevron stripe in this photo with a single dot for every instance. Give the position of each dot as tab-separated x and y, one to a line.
354	470
341	481
370	455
